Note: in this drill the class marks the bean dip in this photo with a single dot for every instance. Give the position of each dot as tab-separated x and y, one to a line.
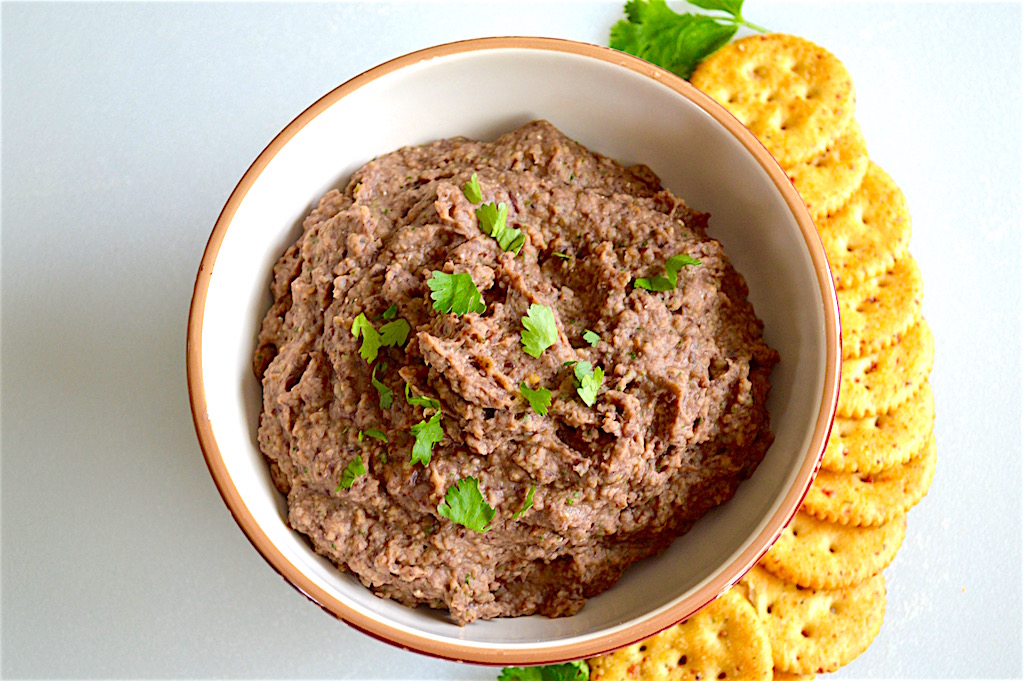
404	434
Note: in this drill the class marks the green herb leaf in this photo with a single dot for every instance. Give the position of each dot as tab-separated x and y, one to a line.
527	503
374	433
671	278
371	339
395	333
465	505
567	671
563	256
455	293
426	402
591	337
590	379
677	42
539	399
492	221
471	190
390	312
427	433
539	330
353	470
385	394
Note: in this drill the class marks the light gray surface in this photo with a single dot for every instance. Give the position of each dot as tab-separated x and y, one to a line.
125	128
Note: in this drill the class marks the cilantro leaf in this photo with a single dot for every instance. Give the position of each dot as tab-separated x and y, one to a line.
353	470
590	379
493	220
471	190
671	278
567	671
563	256
539	399
374	433
427	433
390	312
385	393
371	339
527	503
677	42
455	293
539	330
395	333
426	402
591	337
465	505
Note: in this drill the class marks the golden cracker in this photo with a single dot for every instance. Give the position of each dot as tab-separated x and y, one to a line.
875	442
821	555
795	96
724	640
829	179
816	630
790	676
872	498
880	309
882	380
870	232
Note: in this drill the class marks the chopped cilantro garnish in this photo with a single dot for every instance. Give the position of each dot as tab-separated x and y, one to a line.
493	220
353	470
471	190
385	393
563	256
589	379
455	293
371	339
669	281
591	337
539	399
465	505
539	329
390	312
428	433
527	503
395	333
426	402
374	433
566	671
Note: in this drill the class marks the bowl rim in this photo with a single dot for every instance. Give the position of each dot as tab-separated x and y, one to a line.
591	644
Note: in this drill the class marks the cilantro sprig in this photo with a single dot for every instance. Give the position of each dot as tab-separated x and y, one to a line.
527	503
588	381
420	401
539	330
392	334
539	399
671	278
455	293
493	219
353	470
577	670
386	396
677	42
463	504
471	190
591	337
428	433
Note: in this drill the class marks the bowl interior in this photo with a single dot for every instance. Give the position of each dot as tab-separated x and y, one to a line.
617	106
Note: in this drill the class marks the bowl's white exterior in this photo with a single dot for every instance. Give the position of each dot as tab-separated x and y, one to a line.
616	105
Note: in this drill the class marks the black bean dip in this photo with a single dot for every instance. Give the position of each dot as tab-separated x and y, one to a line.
578	494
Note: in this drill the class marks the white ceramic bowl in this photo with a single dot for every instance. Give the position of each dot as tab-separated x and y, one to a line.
624	108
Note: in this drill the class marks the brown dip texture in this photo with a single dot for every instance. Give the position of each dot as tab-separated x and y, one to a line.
679	420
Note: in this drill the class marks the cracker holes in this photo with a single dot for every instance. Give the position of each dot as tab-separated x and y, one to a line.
682	660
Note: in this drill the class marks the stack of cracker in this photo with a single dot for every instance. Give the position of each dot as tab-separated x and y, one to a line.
816	600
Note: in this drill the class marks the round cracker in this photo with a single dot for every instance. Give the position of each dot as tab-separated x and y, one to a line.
880	309
870	232
816	630
822	555
829	179
872	498
881	381
875	442
795	96
724	640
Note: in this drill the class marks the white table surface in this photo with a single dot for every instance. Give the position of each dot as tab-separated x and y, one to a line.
125	128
